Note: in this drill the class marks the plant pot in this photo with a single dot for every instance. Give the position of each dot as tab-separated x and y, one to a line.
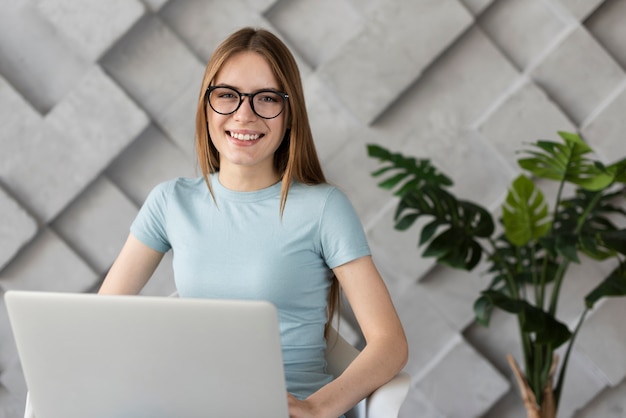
547	408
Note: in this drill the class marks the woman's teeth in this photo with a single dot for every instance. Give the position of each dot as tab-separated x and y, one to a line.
245	137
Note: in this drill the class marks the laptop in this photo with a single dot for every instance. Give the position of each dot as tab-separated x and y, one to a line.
86	355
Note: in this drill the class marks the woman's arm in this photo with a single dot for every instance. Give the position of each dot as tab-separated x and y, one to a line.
132	269
384	355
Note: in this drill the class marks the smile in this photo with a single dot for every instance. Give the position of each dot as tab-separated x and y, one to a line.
244	137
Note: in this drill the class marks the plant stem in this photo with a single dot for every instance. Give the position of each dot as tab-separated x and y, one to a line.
558	387
542	284
558	280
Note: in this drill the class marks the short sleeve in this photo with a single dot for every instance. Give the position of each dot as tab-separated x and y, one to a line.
342	236
149	226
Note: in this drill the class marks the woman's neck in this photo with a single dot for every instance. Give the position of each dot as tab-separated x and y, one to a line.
247	179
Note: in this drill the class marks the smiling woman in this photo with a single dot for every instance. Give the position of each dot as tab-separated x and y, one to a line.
245	139
262	223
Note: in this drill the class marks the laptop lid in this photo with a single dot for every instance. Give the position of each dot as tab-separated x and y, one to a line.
86	355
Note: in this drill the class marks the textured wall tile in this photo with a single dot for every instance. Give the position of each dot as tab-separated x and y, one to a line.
34	58
508	23
17	227
12	384
48	264
91	25
151	159
611	403
317	29
476	6
578	75
396	45
110	119
471	381
13	398
110	122
605	132
525	115
581	8
431	120
497	340
160	73
350	169
449	96
584	381
261	6
578	282
37	164
154	5
604	324
96	223
453	292
426	331
203	25
332	124
607	26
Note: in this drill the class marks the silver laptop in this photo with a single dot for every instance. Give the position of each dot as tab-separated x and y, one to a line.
85	355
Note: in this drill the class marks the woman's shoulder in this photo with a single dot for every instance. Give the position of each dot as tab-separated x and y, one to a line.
179	186
182	183
313	191
320	195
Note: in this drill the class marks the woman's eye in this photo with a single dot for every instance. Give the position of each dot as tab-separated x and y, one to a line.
268	98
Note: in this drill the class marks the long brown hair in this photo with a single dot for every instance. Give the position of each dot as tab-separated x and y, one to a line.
296	158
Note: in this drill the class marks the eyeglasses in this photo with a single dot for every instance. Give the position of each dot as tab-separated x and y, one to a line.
266	103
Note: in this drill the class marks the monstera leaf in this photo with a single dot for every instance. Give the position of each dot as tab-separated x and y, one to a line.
567	162
413	172
525	213
420	187
546	328
463	222
595	232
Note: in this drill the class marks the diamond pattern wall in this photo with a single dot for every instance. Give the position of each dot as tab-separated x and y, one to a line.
97	106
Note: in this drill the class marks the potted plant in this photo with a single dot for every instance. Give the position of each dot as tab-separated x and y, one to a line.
529	260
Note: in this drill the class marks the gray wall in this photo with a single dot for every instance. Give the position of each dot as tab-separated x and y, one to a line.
97	105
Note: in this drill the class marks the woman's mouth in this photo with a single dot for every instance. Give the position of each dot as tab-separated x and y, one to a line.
244	136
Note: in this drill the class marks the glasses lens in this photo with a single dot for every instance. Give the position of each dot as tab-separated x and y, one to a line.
268	104
224	100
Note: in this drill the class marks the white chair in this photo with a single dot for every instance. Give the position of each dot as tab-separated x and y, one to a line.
384	402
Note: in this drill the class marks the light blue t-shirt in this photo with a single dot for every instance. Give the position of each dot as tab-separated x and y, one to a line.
239	247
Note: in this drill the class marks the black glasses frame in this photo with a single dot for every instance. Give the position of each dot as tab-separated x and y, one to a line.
284	96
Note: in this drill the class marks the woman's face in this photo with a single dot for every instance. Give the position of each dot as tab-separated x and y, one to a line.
243	138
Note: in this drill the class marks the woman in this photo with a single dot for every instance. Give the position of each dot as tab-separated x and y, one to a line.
262	223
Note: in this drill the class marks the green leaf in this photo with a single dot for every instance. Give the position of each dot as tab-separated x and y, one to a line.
545	327
457	245
566	161
619	168
406	221
429	230
392	182
615	240
566	246
482	310
613	285
525	213
415	173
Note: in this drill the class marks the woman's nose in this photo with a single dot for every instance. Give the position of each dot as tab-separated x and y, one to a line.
245	111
